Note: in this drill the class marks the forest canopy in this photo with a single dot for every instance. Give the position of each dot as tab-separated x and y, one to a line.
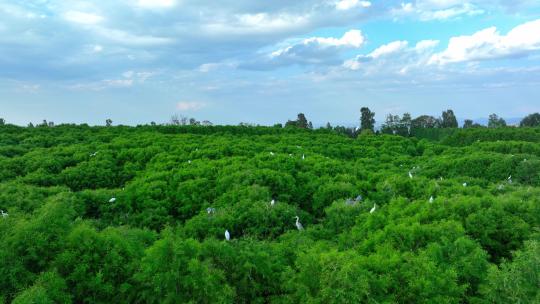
223	214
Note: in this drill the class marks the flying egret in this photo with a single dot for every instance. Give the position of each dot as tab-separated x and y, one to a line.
431	199
4	214
112	200
373	209
272	202
298	224
227	235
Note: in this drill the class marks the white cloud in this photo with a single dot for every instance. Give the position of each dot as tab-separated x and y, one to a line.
426	10
82	18
490	44
352	38
190	105
97	48
311	51
156	3
388	49
344	5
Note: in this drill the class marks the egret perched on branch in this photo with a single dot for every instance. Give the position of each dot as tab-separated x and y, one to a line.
373	209
509	179
272	202
298	224
4	214
227	235
272	153
93	154
464	184
410	174
189	161
210	210
431	199
112	200
303	156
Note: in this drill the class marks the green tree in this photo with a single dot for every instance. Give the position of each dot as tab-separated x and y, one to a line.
449	119
532	120
495	121
367	119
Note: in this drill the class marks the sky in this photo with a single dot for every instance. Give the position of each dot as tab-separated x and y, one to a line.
262	62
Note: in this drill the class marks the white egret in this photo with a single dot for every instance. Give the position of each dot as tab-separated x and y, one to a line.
298	224
272	153
373	209
410	174
112	200
189	161
272	202
431	199
358	198
509	179
210	210
303	156
4	214
464	184
227	235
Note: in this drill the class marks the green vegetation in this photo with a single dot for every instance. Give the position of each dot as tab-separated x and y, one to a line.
138	214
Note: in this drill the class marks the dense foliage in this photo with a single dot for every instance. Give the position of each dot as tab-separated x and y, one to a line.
138	215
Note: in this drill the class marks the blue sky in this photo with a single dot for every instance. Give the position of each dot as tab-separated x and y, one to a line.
262	62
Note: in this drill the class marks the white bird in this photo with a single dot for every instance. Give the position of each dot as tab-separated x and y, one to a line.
410	174
303	156
227	235
210	210
441	178
93	154
464	184
4	214
189	161
112	200
509	179
358	198
431	199
373	209
272	202
298	224
272	153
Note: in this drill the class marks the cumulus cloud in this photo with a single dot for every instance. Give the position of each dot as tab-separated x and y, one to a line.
490	44
350	4
313	50
396	56
427	10
82	17
190	105
156	3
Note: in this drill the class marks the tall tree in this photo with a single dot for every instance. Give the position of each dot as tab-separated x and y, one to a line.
532	120
425	121
468	124
2	121
108	122
495	121
449	119
301	121
367	119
